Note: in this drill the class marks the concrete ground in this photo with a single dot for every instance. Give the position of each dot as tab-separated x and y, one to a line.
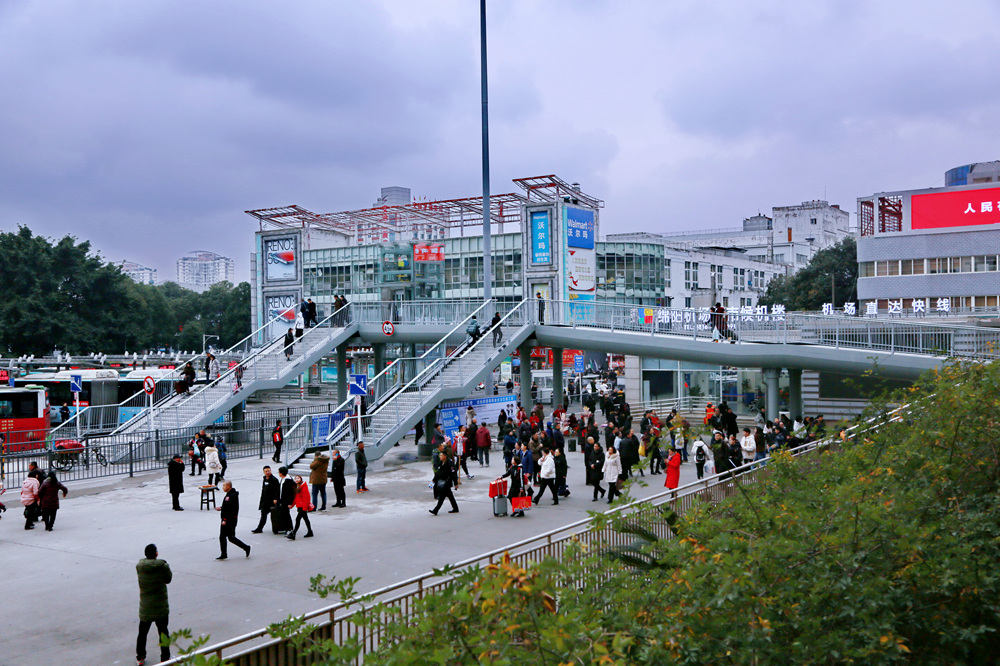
70	596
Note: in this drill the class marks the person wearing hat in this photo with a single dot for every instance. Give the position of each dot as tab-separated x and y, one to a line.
175	474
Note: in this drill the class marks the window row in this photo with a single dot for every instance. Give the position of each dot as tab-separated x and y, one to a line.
975	264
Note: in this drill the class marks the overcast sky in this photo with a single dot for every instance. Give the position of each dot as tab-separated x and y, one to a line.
149	126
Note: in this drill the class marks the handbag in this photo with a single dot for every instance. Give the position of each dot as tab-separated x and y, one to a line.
642	449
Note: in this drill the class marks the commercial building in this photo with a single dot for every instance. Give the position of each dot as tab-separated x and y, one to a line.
931	250
138	272
788	239
973	174
200	269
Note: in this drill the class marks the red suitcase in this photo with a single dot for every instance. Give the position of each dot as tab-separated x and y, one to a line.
498	487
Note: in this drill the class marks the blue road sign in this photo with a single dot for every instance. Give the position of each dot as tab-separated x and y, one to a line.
358	385
578	363
75	383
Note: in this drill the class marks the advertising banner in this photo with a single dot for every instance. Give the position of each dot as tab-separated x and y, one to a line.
283	306
428	252
955	209
452	414
541	247
580	259
281	259
328	374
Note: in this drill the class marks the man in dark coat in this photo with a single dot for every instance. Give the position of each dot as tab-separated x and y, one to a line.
175	474
230	515
286	498
312	313
277	437
361	463
270	490
561	470
154	606
594	460
444	476
337	478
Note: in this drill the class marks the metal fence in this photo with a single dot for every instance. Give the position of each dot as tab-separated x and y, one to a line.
334	622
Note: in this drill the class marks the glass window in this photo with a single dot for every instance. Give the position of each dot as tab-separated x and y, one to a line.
881	268
893	267
906	267
918	266
866	269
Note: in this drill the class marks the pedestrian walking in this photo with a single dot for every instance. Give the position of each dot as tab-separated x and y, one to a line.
318	474
48	499
497	331
230	516
418	432
444	477
29	498
312	312
473	330
701	454
304	311
547	477
300	325
154	606
270	491
303	506
286	499
612	470
223	456
337	478
483	442
562	468
361	463
175	476
594	460
195	454
673	470
277	438
516	475
289	344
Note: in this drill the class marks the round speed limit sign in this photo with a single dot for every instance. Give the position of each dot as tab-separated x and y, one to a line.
388	328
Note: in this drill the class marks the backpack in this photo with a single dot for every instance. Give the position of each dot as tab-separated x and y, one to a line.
699	455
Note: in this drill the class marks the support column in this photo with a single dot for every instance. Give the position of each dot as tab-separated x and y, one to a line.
239	435
557	377
379	357
524	372
341	373
424	448
771	392
795	393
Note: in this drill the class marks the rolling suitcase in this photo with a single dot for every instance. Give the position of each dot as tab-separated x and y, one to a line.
500	505
278	521
498	487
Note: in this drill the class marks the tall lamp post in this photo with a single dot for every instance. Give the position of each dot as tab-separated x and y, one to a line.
205	338
487	244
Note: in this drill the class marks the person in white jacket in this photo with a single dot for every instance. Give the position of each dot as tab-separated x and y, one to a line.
213	463
748	445
612	473
701	453
547	476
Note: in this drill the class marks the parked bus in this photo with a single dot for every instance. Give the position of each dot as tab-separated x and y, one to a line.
24	417
100	387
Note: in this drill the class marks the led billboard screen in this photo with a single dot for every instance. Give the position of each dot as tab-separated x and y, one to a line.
955	209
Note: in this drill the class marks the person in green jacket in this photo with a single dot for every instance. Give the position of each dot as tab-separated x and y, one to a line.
154	575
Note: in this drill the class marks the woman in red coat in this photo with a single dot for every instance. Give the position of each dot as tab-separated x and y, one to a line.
303	502
673	470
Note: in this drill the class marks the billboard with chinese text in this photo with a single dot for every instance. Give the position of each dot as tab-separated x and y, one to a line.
541	246
955	209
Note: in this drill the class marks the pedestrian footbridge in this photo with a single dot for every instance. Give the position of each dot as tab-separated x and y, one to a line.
407	389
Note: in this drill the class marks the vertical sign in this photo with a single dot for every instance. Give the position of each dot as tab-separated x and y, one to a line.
580	259
541	246
280	258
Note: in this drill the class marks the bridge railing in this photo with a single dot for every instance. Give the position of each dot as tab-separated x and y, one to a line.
894	336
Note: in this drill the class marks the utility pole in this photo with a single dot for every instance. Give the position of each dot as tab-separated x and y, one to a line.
487	221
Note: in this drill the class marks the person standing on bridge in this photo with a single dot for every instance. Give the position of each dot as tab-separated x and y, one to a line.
154	607
278	438
541	307
230	515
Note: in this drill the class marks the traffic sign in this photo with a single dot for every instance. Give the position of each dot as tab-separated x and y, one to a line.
4	374
358	385
578	363
75	383
148	384
388	328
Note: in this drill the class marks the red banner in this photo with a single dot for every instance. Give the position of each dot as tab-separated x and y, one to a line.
428	252
955	209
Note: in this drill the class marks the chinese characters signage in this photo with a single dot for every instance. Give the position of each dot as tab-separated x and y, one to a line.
955	209
428	252
580	228
541	246
579	260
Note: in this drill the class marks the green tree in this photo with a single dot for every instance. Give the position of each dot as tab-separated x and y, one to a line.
832	269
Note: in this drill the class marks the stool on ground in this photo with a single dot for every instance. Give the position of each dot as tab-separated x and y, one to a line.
207	497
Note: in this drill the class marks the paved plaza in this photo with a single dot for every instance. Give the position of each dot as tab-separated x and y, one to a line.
71	597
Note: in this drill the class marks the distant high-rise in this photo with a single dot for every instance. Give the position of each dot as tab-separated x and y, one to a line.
394	196
200	269
138	272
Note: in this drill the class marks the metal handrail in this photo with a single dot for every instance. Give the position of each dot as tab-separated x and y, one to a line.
336	434
542	546
419	379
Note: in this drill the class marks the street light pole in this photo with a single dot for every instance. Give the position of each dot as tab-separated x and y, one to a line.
204	338
487	244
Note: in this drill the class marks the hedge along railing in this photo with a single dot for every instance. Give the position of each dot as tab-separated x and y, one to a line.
334	622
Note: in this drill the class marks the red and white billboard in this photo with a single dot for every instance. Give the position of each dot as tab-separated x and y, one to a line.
428	252
955	209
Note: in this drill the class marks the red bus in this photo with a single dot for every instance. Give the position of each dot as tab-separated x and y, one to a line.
24	417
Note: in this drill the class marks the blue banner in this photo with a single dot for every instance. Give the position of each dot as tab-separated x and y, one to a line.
580	228
541	246
578	363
